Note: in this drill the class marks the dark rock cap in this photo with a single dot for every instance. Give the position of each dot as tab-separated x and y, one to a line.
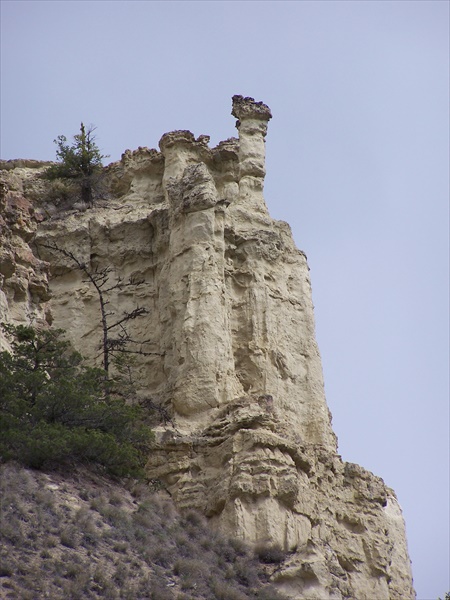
247	108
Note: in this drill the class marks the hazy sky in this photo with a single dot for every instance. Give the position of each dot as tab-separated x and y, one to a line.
357	162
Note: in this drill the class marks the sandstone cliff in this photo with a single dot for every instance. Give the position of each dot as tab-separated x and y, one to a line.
230	349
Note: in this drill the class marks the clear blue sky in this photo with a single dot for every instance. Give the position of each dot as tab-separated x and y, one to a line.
357	160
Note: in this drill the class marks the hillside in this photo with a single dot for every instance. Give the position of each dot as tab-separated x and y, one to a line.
82	535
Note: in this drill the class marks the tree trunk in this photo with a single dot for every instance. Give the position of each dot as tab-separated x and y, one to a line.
86	192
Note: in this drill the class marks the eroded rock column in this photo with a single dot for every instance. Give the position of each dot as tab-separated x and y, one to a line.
199	362
253	118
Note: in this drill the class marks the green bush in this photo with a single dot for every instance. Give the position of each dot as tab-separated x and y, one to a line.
54	410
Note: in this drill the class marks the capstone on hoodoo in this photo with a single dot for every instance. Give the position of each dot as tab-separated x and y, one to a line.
233	357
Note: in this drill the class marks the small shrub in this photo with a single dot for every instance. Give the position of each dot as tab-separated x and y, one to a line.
270	554
121	547
98	503
50	541
269	593
73	570
194	518
12	532
121	574
227	551
100	577
160	591
226	591
191	566
116	499
69	537
114	516
160	555
6	570
207	543
246	573
44	498
239	546
84	495
84	520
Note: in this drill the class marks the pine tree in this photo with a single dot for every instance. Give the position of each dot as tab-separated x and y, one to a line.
81	161
56	411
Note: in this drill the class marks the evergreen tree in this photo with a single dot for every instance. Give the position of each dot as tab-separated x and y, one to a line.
81	161
56	411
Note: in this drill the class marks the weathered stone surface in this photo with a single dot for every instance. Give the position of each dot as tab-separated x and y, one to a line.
24	290
340	527
231	353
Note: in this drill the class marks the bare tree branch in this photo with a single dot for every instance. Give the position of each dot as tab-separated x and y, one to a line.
99	278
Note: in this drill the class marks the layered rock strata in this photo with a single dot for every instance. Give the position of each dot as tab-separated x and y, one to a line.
24	289
230	353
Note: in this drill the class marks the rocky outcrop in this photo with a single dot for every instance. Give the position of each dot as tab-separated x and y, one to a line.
339	525
230	353
24	289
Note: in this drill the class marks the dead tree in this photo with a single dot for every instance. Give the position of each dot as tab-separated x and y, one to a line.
116	339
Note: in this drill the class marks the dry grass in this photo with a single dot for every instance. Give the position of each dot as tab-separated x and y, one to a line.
85	536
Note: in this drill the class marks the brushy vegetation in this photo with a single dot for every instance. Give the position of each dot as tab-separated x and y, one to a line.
55	411
86	536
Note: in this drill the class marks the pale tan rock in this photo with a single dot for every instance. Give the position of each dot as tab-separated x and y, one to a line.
340	526
231	354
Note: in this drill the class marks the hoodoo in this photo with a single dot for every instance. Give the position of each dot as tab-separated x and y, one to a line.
231	355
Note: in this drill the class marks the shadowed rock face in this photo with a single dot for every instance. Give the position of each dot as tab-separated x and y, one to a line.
231	355
24	287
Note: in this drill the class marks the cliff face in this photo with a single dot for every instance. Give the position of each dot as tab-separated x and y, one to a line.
229	350
24	289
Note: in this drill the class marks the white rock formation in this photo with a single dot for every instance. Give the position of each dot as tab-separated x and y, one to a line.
230	353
